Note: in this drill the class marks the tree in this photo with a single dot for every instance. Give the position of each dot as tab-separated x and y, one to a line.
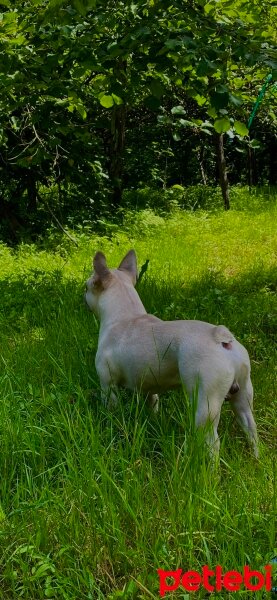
75	72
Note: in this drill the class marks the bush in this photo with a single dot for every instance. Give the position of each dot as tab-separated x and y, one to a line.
209	198
143	222
176	197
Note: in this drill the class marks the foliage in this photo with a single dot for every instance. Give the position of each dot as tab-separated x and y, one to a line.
76	77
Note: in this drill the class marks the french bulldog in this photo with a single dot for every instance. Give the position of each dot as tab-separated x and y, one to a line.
139	351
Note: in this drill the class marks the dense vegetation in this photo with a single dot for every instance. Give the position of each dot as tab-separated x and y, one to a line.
97	97
94	502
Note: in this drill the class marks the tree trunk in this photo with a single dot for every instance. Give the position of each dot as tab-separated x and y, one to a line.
250	161
272	161
223	177
200	157
118	125
12	221
116	149
31	185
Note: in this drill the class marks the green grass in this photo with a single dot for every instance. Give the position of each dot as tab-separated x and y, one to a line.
94	502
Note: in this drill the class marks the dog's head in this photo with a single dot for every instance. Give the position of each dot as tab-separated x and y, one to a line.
104	278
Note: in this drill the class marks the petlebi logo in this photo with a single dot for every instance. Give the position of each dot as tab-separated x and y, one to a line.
216	580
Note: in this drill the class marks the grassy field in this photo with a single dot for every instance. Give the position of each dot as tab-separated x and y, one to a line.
93	503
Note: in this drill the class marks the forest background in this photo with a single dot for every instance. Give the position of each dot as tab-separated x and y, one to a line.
106	105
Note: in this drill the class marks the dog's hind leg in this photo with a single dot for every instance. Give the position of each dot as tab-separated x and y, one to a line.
242	405
153	402
207	416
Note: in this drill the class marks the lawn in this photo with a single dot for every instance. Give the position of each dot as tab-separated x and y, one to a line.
92	502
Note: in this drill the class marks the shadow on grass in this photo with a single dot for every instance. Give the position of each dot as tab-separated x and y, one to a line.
244	303
44	306
49	338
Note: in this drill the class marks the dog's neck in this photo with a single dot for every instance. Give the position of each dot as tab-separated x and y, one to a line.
119	303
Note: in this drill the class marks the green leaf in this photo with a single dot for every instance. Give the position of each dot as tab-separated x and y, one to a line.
152	103
241	128
186	123
201	100
80	7
81	110
172	44
206	67
106	101
164	119
156	88
117	100
83	6
176	136
208	8
236	100
41	570
222	125
219	100
255	144
221	89
178	110
177	186
212	112
15	123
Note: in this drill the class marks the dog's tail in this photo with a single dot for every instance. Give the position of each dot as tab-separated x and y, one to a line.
223	336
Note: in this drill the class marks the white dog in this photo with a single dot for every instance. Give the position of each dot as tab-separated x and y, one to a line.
140	351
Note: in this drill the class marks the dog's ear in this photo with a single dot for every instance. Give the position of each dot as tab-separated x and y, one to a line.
129	264
101	271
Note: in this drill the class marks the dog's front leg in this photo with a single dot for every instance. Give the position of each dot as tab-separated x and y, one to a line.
108	388
108	397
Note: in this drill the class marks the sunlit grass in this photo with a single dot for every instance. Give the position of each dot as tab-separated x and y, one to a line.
92	503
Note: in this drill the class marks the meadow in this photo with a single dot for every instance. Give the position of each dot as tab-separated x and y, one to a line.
94	502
